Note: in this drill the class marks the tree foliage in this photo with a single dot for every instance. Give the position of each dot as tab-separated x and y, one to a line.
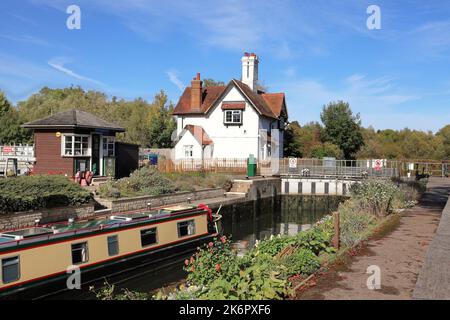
149	124
10	130
342	128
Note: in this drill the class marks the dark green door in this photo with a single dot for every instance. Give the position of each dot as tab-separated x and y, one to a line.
95	154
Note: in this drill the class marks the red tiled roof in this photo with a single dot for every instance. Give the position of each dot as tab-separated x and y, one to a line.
233	105
209	96
275	101
199	134
267	104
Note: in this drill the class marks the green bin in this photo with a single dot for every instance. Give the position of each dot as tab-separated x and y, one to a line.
251	166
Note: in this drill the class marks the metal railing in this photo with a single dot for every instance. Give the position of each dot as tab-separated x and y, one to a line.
344	169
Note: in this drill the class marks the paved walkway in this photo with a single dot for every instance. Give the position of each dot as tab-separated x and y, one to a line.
400	255
434	278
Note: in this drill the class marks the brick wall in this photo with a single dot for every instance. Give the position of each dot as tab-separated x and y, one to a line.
26	219
138	203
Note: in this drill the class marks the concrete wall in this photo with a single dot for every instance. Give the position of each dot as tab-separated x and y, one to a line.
27	219
264	188
307	186
139	203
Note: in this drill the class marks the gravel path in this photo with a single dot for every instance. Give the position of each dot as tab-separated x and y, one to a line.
399	254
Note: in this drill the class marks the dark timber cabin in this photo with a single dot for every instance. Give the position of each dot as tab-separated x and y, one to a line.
75	140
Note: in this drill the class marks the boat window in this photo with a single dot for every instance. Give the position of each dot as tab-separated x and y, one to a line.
10	269
113	245
148	237
79	253
186	228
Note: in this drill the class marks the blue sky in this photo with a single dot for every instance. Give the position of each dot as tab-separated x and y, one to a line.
313	50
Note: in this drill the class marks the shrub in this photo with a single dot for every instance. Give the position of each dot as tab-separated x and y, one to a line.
374	195
315	240
274	245
353	223
42	191
302	261
143	181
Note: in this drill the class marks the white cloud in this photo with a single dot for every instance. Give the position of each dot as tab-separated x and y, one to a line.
58	64
26	39
173	77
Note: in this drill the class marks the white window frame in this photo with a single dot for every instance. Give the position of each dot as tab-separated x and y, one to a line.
232	112
73	135
188	148
109	140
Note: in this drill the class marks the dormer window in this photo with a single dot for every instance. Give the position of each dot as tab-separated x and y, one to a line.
233	117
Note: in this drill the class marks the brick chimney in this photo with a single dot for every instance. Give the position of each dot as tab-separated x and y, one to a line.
196	93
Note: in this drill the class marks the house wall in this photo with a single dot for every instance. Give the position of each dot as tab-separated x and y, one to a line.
188	139
48	154
229	142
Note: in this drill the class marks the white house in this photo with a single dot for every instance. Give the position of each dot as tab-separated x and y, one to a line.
231	121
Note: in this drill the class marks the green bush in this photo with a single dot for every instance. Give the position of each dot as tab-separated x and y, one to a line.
143	181
353	223
374	196
302	261
42	191
274	245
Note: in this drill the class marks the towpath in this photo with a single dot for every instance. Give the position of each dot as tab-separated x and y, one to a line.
400	255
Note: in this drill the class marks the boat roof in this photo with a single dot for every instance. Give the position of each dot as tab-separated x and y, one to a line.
34	234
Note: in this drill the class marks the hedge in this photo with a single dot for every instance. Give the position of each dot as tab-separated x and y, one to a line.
42	191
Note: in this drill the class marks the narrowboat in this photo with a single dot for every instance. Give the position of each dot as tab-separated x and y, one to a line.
37	260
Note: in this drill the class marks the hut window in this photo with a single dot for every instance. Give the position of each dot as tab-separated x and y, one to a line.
10	269
75	145
148	237
113	245
80	253
186	228
108	146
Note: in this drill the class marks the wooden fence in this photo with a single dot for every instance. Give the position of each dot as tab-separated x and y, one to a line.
225	165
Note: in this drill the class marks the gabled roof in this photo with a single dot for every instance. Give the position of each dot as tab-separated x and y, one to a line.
209	96
72	119
199	134
267	104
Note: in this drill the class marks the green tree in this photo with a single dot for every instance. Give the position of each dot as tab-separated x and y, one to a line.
292	145
10	130
342	128
212	83
162	123
444	136
326	149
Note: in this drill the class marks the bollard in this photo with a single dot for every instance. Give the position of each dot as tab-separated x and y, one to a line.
335	241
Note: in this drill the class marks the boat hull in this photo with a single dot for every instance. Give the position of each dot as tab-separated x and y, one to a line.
52	287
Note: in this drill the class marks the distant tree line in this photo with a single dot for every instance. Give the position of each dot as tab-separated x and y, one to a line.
151	124
147	123
341	135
